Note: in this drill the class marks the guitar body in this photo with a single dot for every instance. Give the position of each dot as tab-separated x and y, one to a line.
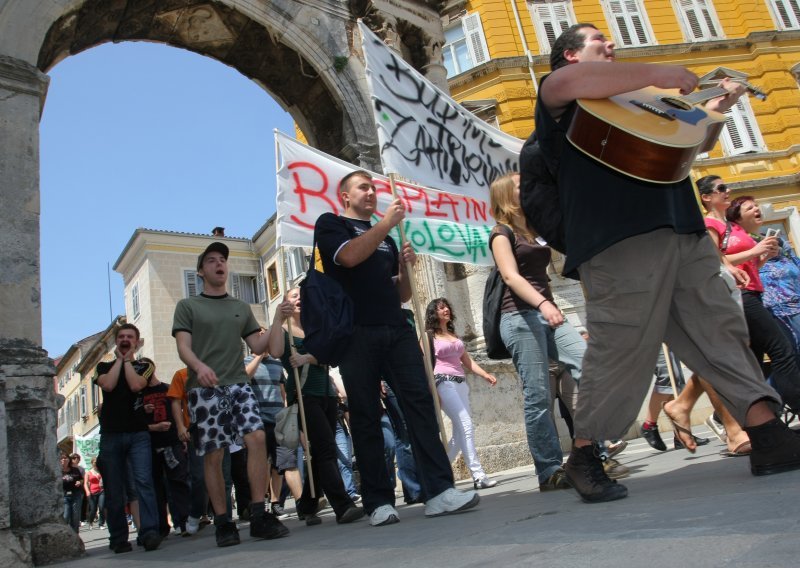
646	134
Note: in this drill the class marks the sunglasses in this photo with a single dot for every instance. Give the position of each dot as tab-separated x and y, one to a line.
721	188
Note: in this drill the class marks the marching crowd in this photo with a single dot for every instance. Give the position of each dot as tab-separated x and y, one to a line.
654	272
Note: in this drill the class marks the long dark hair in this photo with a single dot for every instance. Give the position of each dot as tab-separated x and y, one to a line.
432	320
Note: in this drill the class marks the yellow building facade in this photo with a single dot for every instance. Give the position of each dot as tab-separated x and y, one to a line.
497	51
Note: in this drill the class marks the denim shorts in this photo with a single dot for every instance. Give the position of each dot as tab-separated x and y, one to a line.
223	415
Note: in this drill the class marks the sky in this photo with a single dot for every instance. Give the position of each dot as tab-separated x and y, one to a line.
143	135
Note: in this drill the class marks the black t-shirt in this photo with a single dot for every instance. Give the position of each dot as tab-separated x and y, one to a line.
371	286
602	206
70	480
118	413
157	396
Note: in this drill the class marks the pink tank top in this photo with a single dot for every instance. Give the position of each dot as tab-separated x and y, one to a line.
448	357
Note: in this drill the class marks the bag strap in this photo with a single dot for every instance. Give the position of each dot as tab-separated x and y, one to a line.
724	244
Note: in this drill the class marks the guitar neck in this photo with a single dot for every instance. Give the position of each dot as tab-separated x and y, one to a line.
714	92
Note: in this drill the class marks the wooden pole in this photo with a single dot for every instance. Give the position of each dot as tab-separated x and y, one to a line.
298	387
420	326
670	370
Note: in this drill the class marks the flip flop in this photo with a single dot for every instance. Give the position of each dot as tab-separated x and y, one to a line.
678	429
742	449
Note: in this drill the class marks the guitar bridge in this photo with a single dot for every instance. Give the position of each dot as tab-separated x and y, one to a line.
652	109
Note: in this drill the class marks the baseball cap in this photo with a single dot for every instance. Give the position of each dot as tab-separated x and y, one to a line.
213	247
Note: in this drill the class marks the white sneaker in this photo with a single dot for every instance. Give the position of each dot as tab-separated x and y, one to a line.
192	525
384	515
451	501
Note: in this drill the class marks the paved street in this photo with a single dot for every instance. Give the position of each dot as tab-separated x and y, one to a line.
683	510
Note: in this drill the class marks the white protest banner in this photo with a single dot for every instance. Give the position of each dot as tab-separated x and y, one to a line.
451	228
425	135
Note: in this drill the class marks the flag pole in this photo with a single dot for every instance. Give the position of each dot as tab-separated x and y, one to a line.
298	387
670	370
420	326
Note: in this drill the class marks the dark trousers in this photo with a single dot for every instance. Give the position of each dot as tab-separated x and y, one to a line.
391	353
171	474
97	508
321	422
766	336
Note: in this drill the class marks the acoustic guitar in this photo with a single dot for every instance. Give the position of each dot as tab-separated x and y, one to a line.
649	134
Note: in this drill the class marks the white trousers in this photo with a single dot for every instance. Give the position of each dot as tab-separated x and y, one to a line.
455	403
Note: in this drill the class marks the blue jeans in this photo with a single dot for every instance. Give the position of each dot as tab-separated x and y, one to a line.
344	456
565	345
526	336
199	502
72	508
122	452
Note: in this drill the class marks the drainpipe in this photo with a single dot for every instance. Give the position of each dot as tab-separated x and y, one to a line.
528	54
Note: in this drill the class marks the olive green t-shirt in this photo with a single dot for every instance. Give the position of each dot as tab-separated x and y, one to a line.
217	324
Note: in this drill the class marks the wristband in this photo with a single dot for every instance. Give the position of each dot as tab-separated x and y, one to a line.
540	304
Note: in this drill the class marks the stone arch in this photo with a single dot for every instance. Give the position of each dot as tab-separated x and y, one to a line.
302	53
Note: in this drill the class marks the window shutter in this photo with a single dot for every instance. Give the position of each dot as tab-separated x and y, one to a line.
476	42
698	16
262	292
630	22
194	284
236	286
741	130
789	13
551	19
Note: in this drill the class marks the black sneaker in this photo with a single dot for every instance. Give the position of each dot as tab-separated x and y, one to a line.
352	513
151	540
556	481
121	547
267	526
228	534
278	511
584	471
653	438
776	448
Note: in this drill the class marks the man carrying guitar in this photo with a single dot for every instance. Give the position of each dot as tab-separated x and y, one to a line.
650	274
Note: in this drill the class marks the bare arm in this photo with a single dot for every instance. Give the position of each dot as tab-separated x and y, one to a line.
360	248
600	80
251	367
470	365
205	375
509	270
276	341
257	342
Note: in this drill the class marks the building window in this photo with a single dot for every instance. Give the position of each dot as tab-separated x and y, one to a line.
787	13
741	134
629	23
84	408
135	300
699	19
296	263
272	281
245	287
465	45
192	282
95	396
550	19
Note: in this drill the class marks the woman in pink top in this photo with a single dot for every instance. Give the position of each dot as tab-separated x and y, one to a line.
450	359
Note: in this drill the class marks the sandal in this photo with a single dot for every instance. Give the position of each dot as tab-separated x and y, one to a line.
679	430
743	449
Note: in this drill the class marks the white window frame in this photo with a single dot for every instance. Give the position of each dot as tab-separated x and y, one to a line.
741	133
95	396
705	18
296	264
192	283
786	14
84	405
245	287
550	19
475	40
628	10
135	305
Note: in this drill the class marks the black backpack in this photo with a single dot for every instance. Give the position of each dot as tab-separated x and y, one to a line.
326	315
538	194
492	300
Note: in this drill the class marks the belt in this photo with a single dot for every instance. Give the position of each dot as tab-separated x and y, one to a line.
454	378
